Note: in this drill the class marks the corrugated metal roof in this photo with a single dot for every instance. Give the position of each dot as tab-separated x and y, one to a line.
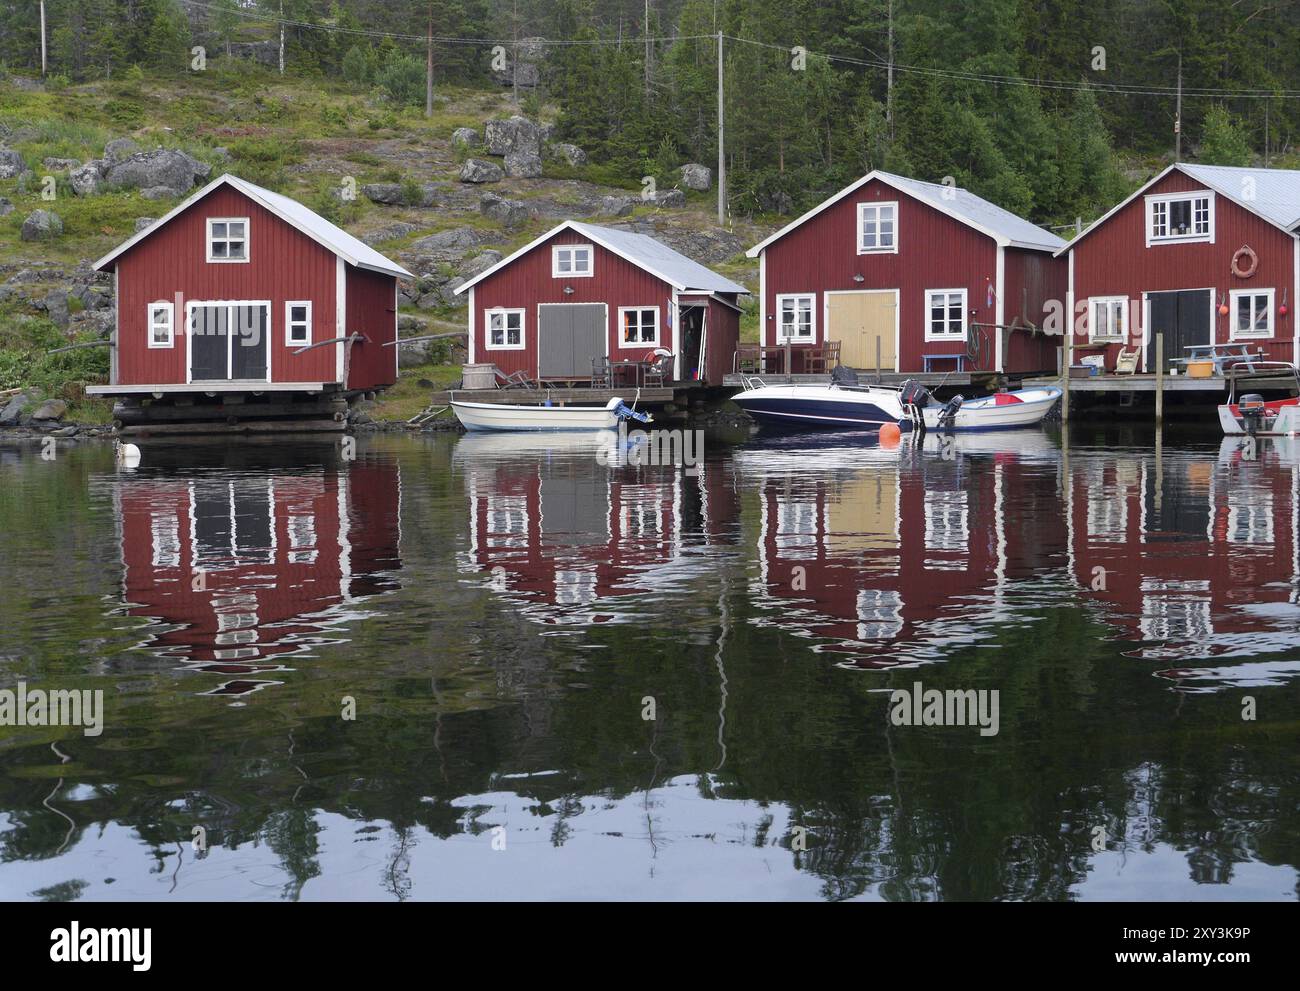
659	258
292	212
961	204
641	250
1272	193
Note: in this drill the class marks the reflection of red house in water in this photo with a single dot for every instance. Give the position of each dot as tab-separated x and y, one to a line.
898	557
1202	563
245	570
574	538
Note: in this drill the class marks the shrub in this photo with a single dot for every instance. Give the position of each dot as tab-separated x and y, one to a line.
359	65
402	81
412	193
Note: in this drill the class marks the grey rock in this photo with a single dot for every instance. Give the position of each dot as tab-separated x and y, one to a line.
478	264
697	177
142	222
517	134
466	137
6	207
429	252
51	409
158	193
510	213
394	194
547	131
411	355
9	416
85	180
11	164
616	206
42	225
667	198
150	170
523	164
570	154
221	153
390	232
477	170
69	431
60	164
56	307
120	148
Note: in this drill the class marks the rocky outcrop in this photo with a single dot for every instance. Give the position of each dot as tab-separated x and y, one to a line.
50	411
466	137
85	180
429	254
389	233
508	213
569	154
477	170
666	198
11	164
142	222
119	149
616	206
478	264
397	194
523	164
42	225
697	177
6	207
513	134
60	164
163	168
13	410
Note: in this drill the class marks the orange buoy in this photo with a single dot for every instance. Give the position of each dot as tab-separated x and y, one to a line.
890	435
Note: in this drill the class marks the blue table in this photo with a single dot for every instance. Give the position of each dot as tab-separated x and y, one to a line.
960	358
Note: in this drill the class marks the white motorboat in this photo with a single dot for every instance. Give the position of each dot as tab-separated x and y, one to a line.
1000	411
535	417
1250	414
831	407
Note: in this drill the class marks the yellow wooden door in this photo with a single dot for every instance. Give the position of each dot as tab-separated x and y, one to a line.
858	320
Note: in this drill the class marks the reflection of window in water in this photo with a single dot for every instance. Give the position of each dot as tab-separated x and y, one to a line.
797	529
238	636
235	621
166	529
880	614
233	520
1175	610
575	588
1107	507
946	521
1250	516
302	539
507	521
640	511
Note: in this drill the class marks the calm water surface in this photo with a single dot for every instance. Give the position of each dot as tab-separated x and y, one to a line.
502	612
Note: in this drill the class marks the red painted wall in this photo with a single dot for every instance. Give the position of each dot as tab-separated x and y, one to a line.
284	265
1033	278
1115	261
935	252
371	310
527	282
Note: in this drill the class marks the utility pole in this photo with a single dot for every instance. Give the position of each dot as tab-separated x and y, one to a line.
43	67
722	162
282	37
514	54
889	82
646	27
1178	114
428	70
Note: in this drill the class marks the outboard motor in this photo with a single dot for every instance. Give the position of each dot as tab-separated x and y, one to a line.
912	393
843	375
949	411
1252	409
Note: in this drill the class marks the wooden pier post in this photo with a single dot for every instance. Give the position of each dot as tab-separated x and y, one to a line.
1064	360
1160	377
877	360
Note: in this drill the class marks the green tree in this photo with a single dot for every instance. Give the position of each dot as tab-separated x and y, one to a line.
1223	139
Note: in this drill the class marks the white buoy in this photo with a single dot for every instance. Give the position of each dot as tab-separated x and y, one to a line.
128	455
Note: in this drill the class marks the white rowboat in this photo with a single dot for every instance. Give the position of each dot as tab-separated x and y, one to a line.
500	416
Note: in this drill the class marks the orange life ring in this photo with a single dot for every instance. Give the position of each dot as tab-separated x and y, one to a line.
1247	252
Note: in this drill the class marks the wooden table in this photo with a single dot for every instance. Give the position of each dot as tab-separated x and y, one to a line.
1223	355
638	369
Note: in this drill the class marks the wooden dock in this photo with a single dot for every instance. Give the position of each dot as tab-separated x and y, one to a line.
928	379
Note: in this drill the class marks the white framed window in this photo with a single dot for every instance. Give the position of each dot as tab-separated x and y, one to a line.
945	318
877	228
1108	318
796	316
638	326
162	325
505	330
227	239
1180	217
297	322
572	261
1251	312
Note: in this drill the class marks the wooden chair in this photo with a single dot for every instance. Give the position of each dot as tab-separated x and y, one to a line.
515	380
820	360
602	375
747	359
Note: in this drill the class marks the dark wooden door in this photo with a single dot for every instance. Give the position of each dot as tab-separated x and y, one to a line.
248	348
1184	319
209	342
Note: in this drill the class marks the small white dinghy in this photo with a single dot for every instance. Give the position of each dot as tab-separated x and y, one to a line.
500	416
1001	411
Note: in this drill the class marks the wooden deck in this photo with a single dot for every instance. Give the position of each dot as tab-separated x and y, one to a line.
1171	383
929	379
232	387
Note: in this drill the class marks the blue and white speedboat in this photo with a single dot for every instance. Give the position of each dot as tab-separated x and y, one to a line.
834	406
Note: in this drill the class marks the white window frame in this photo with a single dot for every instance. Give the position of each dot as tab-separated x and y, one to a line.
781	336
1108	301
505	345
638	344
1165	199
1237	335
170	309
247	241
289	322
874	206
930	335
558	249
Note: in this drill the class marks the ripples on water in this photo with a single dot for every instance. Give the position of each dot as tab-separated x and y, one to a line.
501	611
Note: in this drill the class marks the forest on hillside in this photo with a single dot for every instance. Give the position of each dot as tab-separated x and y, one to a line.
1036	104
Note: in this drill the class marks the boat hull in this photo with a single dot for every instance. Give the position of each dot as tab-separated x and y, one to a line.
1284	421
989	414
501	417
823	407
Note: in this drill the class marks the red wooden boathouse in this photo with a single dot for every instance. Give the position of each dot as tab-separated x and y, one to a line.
1203	254
581	292
917	269
220	295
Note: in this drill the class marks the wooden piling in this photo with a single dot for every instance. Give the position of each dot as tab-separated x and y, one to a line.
1064	361
877	360
1160	377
